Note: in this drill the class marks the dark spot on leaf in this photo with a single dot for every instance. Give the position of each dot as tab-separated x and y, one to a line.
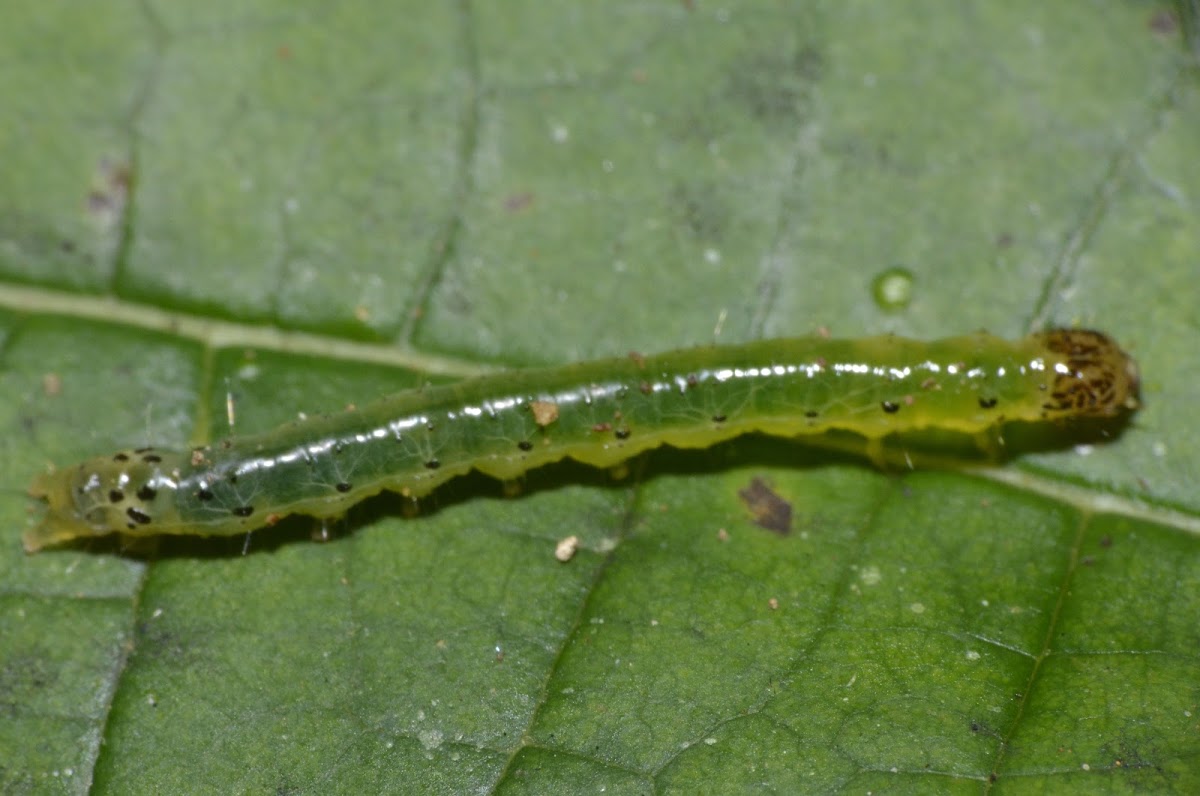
770	511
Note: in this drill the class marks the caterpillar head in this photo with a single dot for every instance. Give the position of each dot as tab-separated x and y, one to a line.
1092	376
109	494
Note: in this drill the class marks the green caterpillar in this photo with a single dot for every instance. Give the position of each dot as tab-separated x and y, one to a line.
600	413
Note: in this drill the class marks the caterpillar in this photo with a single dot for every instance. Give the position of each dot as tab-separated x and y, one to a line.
599	413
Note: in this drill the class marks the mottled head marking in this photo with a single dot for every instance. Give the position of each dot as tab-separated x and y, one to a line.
1092	376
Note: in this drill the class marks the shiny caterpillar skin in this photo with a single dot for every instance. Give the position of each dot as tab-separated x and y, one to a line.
599	413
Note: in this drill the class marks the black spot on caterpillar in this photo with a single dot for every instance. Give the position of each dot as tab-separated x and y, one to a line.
873	387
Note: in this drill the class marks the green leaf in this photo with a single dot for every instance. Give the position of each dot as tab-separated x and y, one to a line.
293	207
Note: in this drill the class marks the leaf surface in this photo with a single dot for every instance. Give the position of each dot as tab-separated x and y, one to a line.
292	207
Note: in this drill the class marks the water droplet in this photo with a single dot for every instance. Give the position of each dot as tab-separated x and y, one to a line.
893	288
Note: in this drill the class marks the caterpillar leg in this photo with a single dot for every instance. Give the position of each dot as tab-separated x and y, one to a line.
630	468
875	453
138	546
324	529
898	458
411	506
991	443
